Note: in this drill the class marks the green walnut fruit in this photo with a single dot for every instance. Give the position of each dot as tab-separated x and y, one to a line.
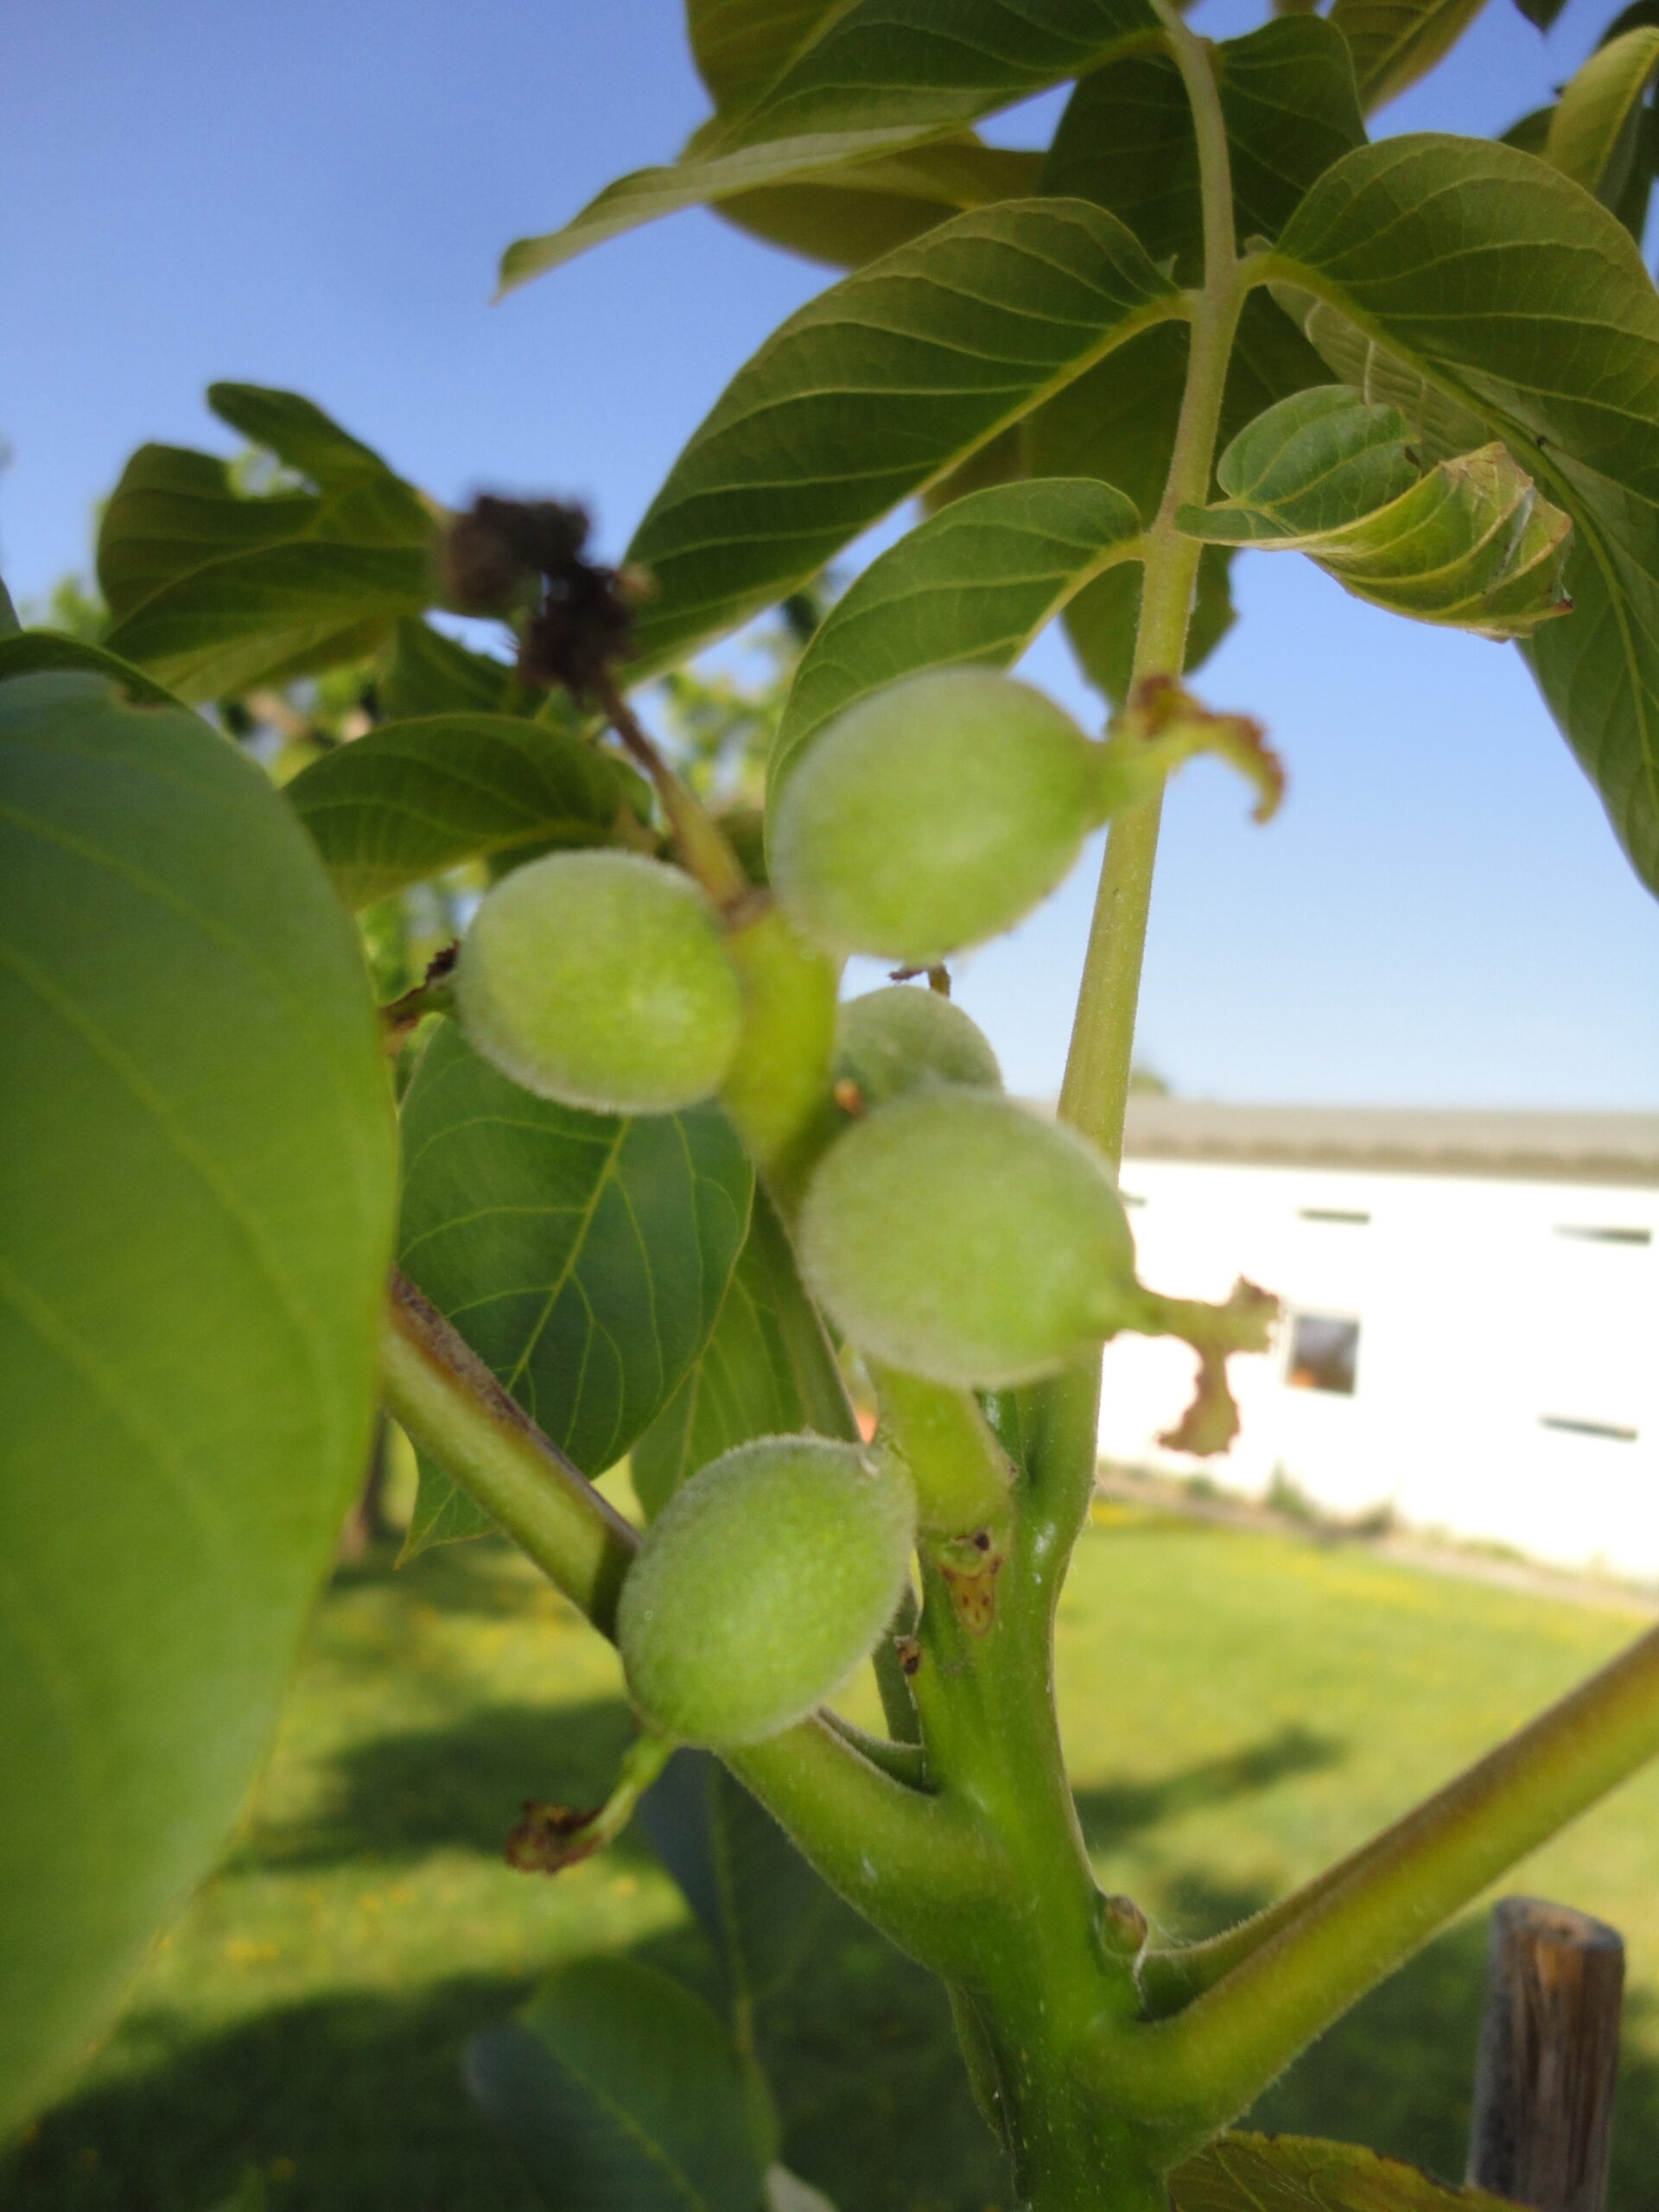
957	1237
601	979
894	1040
933	815
760	1586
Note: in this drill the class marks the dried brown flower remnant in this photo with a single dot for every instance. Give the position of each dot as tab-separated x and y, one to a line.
584	622
498	545
549	1837
505	554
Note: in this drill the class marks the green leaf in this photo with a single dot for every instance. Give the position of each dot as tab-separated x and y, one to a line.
856	215
583	1257
430	674
28	652
302	437
874	390
214	592
1540	14
8	623
443	1513
741	46
1395	42
767	1370
1639	13
173	512
974	583
1002	461
1530	132
196	1194
621	2092
410	799
263	618
1439	425
1310	465
879	77
830	224
1596	129
1507	288
1126	141
754	1895
1299	2173
1471	544
1631	204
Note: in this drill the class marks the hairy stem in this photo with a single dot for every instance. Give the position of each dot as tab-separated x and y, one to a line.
1095	1093
699	839
452	1407
1096	1089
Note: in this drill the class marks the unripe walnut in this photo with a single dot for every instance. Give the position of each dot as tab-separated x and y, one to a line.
761	1585
894	1040
932	816
956	1236
600	979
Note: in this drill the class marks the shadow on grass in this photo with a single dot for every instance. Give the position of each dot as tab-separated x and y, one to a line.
457	1786
1110	1813
348	2104
485	1575
355	2104
862	2059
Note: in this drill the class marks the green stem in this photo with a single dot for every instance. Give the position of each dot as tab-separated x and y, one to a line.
702	843
1095	1093
917	1865
897	1755
1096	1089
1057	1996
922	1869
963	1476
1318	1952
1050	1976
1255	1998
451	1406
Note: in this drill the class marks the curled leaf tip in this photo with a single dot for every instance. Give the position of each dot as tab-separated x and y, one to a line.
1467	540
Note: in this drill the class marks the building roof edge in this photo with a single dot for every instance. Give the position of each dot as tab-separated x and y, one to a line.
1532	1145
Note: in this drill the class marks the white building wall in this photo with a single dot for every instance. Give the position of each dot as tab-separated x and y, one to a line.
1491	1311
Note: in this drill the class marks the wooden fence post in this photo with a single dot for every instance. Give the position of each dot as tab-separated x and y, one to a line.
1543	2118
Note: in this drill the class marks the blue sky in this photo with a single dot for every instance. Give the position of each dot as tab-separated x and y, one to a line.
314	194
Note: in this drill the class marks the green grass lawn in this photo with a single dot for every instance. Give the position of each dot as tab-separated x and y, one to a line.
1239	1707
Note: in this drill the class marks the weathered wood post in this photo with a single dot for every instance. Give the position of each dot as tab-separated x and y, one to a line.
1543	2118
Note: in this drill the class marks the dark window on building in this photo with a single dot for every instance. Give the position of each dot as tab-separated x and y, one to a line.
1588	1234
1588	1427
1323	1354
1331	1213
